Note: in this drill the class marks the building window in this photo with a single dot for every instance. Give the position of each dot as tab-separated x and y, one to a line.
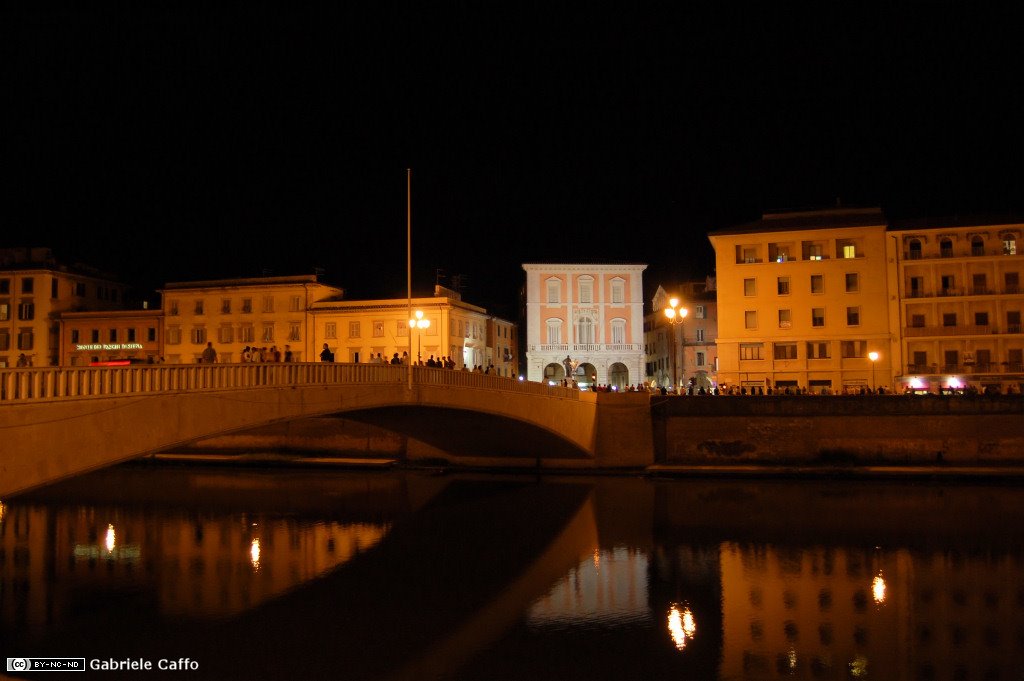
151	334
779	252
225	306
554	291
586	291
977	246
268	332
949	319
246	333
750	287
331	330
785	319
618	331
5	340
5	311
585	330
846	249
699	335
198	335
817	283
852	349
74	336
53	287
981	318
783	286
785	351
199	306
618	292
946	248
1011	282
818	351
268	303
750	319
294	330
1009	244
26	339
113	335
5	287
172	308
27	285
917	321
402	328
700	359
294	304
852	282
174	335
247	305
747	254
853	316
813	250
979	285
226	334
79	289
554	331
94	334
701	312
355	329
751	350
817	316
26	311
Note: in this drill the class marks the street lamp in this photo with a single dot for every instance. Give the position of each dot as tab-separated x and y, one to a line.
675	315
873	356
418	322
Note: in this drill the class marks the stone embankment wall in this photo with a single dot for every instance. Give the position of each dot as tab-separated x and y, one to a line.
832	429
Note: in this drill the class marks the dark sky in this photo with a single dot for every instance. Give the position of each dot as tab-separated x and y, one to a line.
171	144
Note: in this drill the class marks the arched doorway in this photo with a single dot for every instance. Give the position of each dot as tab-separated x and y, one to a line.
586	375
618	375
702	380
554	372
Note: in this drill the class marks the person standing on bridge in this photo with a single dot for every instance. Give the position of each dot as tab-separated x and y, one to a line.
326	355
209	354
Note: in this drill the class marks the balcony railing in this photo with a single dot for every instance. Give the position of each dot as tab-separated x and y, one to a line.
960	330
947	253
957	291
987	368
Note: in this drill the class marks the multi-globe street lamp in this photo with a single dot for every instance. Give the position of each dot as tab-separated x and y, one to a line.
419	323
675	315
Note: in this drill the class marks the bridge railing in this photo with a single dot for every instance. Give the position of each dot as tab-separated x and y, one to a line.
59	383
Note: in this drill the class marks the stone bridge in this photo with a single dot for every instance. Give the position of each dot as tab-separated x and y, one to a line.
58	422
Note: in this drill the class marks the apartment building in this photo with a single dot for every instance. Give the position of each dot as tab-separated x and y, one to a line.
263	312
960	303
35	289
356	330
586	318
684	353
111	335
807	300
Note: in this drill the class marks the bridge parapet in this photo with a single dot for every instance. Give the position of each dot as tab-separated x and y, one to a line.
60	383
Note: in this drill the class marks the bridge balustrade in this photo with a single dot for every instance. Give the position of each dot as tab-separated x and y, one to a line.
60	383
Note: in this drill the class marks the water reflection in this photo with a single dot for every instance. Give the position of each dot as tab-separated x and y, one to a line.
391	576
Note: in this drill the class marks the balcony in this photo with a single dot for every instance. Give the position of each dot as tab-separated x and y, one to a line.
990	368
588	348
959	330
953	253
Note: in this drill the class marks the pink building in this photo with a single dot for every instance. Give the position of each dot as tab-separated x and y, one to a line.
585	321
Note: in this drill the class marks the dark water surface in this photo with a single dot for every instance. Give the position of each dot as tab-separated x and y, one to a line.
412	575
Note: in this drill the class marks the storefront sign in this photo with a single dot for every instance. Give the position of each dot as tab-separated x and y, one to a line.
109	346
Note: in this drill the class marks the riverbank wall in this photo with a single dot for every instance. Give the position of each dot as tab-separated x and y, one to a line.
831	430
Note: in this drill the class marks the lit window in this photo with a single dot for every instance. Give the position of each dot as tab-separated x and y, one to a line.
554	331
618	331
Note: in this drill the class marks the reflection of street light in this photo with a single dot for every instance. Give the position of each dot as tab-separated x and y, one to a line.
675	315
418	322
873	356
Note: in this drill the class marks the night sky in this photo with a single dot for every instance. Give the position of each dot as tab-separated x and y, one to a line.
169	144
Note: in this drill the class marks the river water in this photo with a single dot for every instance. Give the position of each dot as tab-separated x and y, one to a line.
284	574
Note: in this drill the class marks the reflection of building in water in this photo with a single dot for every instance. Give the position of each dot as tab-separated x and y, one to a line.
53	563
610	586
836	612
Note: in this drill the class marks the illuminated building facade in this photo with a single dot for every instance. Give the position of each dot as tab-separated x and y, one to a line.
503	346
805	300
133	335
692	340
34	290
356	330
590	314
262	312
960	304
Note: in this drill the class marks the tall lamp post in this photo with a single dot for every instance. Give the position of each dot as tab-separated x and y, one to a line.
419	323
675	315
873	356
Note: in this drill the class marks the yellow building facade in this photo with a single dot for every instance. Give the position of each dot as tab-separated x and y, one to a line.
271	313
360	330
112	335
805	300
960	304
35	289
